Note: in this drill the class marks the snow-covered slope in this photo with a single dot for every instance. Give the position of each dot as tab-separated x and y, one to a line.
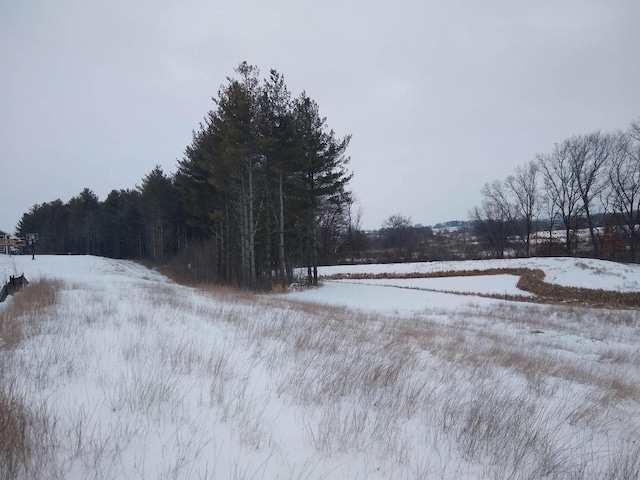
81	268
128	375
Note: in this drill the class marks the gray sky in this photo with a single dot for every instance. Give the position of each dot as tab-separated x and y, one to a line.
440	96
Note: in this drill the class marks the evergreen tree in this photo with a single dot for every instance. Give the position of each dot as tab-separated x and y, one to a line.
85	223
159	208
321	176
278	137
263	184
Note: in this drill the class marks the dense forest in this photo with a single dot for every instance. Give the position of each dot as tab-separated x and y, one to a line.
261	189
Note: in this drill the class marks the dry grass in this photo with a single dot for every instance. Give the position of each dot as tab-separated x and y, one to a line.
15	442
20	318
279	288
230	294
357	380
356	384
465	394
533	281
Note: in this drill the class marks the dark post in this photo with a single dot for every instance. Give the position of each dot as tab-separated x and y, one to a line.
32	238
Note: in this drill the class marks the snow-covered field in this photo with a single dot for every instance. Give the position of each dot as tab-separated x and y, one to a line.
570	272
480	284
127	375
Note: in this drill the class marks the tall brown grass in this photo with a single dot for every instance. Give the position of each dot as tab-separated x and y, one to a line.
19	319
15	444
435	395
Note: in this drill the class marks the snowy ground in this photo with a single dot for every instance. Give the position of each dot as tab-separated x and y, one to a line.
479	284
388	294
570	272
131	376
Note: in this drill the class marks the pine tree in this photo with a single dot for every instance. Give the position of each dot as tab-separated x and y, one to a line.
322	176
159	208
277	135
263	175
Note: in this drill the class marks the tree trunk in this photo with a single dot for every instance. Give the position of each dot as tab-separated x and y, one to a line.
635	236
314	252
251	231
595	241
227	243
281	255
244	240
567	240
268	270
307	253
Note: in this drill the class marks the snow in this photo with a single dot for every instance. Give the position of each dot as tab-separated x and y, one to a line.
478	284
392	294
141	378
375	296
571	272
80	268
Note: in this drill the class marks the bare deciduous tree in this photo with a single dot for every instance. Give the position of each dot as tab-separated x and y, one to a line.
624	177
588	156
561	187
494	219
523	186
398	234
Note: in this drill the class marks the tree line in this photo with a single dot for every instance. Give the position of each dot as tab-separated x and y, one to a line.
261	189
147	222
587	183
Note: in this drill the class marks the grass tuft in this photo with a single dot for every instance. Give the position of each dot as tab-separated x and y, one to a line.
279	287
20	318
15	442
229	384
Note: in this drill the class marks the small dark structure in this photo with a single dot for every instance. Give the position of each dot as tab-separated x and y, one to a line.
15	285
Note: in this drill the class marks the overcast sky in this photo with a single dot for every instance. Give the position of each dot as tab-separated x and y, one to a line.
440	96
